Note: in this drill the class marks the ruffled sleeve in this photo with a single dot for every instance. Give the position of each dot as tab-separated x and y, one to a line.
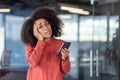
33	54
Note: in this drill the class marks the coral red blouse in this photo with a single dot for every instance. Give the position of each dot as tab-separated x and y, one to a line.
44	64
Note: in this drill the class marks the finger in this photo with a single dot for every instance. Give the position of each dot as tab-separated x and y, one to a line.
63	57
34	28
66	50
62	53
63	50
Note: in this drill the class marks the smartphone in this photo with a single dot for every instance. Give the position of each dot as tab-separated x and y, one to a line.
64	45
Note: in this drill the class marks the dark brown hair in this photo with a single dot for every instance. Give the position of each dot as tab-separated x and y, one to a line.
41	12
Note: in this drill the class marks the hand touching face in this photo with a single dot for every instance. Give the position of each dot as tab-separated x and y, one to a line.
36	33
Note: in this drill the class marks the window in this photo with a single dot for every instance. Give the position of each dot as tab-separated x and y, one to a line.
13	43
96	29
70	27
2	38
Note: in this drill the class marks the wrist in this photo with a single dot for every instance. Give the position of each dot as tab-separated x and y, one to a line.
64	58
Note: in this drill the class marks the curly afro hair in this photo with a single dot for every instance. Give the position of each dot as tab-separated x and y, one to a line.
45	13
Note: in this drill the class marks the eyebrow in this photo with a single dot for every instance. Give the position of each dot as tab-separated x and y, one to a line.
38	24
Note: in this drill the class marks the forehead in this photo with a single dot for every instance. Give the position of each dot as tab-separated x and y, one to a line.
41	20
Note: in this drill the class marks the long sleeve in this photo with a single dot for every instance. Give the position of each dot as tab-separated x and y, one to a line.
44	64
65	66
33	54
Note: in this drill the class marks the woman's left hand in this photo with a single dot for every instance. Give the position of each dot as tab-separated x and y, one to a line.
64	53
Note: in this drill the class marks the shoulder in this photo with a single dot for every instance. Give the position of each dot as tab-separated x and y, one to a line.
56	43
58	40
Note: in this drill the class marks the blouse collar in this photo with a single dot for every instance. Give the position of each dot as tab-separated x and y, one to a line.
50	41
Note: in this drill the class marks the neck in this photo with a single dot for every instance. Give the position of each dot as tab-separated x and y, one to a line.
46	40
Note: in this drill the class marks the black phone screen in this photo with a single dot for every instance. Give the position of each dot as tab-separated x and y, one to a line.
64	45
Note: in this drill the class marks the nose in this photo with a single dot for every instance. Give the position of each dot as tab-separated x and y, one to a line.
45	27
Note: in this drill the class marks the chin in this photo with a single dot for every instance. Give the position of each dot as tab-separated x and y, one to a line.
47	37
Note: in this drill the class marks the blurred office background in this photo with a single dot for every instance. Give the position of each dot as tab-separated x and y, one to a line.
93	29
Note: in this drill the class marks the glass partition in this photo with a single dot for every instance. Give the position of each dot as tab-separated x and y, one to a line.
2	37
13	42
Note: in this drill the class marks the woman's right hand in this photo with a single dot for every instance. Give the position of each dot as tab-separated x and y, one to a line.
36	33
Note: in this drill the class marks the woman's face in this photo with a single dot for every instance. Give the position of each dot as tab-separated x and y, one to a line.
44	28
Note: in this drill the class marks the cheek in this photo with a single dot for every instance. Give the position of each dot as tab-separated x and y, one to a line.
40	31
50	28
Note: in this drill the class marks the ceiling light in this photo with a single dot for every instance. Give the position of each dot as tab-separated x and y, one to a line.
5	10
80	12
74	9
70	8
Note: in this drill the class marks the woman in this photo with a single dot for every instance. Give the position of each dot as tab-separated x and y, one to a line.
38	34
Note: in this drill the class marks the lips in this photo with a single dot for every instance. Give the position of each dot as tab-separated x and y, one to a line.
47	33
